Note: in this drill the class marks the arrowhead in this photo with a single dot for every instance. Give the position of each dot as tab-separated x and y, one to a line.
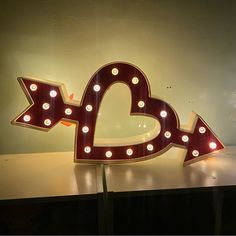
203	142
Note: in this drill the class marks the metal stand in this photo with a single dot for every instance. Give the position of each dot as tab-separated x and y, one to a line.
105	207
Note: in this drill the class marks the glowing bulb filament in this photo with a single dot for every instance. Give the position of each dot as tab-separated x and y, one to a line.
47	122
115	71
185	138
46	106
108	154
68	111
96	88
27	118
167	134
33	87
87	149
212	145
129	152
85	129
202	130
163	114
53	93
89	108
195	153
141	104
150	147
135	80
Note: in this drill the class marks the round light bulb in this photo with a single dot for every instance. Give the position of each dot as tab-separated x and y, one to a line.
85	129
26	118
195	153
87	149
47	122
202	130
89	108
163	114
53	93
135	80
150	147
33	87
141	104
115	71
68	111
167	134
185	138
96	88
129	152
46	106
212	145
108	154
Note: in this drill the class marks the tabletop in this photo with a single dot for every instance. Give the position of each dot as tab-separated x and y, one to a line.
45	175
167	172
37	175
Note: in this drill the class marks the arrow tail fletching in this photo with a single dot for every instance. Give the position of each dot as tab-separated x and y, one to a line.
47	105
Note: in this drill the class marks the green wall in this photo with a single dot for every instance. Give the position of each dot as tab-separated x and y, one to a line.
187	49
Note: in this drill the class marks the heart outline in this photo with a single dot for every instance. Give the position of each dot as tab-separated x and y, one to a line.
144	94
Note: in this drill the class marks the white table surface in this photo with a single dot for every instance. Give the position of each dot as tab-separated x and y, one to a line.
55	174
167	172
45	174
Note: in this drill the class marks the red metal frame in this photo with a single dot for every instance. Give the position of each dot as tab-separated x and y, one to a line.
48	104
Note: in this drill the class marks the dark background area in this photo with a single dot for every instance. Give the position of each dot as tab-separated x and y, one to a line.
183	211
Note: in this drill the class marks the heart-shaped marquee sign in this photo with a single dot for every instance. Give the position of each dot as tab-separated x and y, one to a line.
49	105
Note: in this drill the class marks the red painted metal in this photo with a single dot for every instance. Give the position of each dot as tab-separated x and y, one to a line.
198	142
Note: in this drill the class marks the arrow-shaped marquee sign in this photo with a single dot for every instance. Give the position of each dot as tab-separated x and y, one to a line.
49	105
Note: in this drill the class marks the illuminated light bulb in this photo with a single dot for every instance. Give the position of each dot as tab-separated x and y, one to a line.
195	153
129	152
135	80
45	106
141	104
47	122
33	87
87	149
202	130
167	134
89	108
96	88
108	154
27	118
163	114
185	138
212	145
115	71
53	93
150	147
68	111
85	129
